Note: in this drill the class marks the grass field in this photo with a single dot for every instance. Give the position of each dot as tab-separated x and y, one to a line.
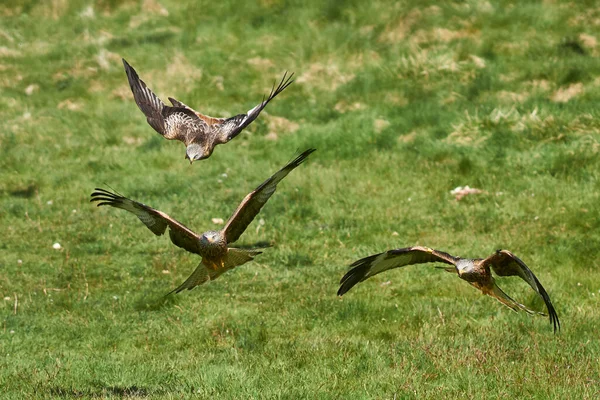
403	100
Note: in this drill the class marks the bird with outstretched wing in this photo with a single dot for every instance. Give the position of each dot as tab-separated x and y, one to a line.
212	246
200	133
475	271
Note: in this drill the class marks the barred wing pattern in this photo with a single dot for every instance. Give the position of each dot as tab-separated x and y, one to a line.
179	122
155	220
254	201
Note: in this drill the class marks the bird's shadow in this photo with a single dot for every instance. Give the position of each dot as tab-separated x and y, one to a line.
154	301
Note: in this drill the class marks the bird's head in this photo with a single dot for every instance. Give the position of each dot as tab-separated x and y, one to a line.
210	237
196	152
463	265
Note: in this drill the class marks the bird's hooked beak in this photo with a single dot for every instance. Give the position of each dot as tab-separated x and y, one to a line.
192	159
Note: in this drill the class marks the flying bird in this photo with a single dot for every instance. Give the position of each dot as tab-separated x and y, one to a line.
212	246
200	133
475	271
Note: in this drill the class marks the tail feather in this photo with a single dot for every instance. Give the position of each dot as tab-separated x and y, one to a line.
505	299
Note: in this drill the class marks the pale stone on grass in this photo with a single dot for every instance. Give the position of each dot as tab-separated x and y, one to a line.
31	89
217	221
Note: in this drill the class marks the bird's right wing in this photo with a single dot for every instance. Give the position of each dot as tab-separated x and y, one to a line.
156	221
179	122
505	263
375	264
253	202
231	127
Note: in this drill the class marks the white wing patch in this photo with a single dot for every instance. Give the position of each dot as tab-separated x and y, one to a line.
383	262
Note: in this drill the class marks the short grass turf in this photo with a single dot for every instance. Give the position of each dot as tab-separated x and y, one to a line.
403	100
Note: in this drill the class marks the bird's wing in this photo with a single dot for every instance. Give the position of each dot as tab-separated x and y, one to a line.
504	263
198	277
253	202
156	221
229	128
202	274
179	122
146	100
375	264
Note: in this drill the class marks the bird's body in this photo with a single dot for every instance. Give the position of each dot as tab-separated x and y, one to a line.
478	272
212	246
472	270
200	133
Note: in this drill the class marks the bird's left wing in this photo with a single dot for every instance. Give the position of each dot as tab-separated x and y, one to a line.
253	202
375	264
156	221
231	127
505	263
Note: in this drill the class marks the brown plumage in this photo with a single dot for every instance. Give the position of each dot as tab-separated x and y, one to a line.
200	133
475	271
212	246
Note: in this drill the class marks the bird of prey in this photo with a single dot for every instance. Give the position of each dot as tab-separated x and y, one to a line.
212	246
475	271
200	133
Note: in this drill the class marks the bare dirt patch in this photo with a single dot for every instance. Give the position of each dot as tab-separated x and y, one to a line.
325	76
565	94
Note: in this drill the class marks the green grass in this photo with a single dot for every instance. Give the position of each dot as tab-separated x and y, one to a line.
403	100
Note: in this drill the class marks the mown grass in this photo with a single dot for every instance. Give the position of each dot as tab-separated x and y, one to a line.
404	101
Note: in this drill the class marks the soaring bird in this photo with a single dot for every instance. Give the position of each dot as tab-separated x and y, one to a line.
475	271
212	246
200	133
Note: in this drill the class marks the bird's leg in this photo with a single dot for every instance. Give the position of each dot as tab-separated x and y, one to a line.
217	264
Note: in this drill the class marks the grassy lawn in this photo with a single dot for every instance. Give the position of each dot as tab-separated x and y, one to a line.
403	100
